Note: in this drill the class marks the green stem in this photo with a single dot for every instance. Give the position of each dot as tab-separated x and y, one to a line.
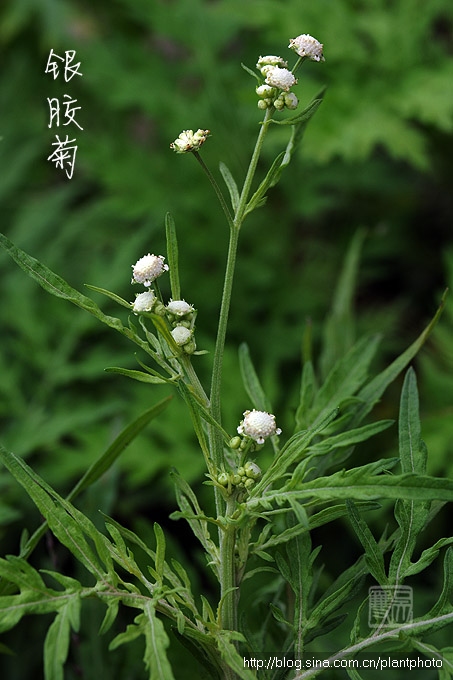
228	581
235	227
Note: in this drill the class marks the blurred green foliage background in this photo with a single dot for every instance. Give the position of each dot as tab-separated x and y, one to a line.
378	155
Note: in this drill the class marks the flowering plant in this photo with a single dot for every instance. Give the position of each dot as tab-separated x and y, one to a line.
258	526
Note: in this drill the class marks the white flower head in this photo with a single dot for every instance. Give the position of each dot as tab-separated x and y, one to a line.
144	302
259	425
279	77
148	268
307	46
181	335
270	60
189	140
179	307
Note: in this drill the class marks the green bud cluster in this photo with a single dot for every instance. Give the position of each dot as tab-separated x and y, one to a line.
181	317
243	478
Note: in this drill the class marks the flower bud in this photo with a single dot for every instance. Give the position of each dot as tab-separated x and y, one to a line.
252	470
181	335
291	101
264	91
234	443
144	302
179	308
189	140
223	479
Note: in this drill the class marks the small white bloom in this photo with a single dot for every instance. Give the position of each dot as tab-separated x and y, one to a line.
280	77
179	307
148	268
189	140
264	91
144	302
181	335
307	46
291	101
270	60
259	425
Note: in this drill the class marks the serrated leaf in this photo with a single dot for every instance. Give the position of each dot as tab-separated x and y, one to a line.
231	656
157	642
293	450
410	514
373	553
160	550
307	392
172	256
338	331
356	485
110	615
351	437
346	377
65	521
370	394
56	645
231	185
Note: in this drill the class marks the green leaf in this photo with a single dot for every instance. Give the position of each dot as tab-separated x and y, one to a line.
351	437
160	550
251	381
269	181
109	294
65	521
57	286
172	256
345	378
139	375
56	645
410	514
308	389
305	115
231	185
291	453
357	485
231	656
157	642
338	331
122	441
252	73
372	392
373	553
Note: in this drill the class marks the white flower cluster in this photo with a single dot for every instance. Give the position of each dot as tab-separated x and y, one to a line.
258	425
278	80
189	141
180	315
307	46
148	268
